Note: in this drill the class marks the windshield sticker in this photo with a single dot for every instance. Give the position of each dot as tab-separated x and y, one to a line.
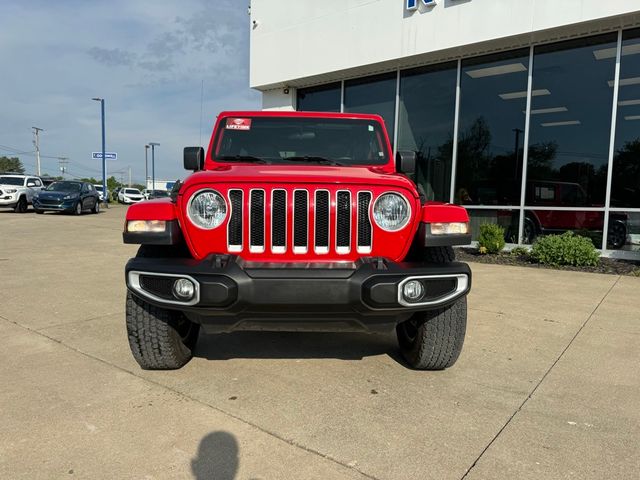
371	128
238	124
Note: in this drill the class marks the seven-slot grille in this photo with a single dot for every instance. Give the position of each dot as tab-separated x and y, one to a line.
291	215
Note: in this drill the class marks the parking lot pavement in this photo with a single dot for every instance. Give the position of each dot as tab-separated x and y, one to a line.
547	385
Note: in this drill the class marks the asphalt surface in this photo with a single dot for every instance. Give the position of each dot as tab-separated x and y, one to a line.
547	386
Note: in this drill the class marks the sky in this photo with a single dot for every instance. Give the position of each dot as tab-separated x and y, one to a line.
148	59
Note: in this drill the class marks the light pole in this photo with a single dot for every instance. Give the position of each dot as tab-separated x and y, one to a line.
153	165
104	157
36	142
146	167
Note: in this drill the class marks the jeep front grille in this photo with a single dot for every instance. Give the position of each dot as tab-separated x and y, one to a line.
299	221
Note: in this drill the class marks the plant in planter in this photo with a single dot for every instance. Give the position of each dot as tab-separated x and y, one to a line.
491	238
565	249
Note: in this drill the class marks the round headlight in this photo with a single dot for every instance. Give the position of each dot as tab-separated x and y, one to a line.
207	209
391	212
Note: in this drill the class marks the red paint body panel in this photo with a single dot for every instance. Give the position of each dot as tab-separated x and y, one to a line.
433	212
157	209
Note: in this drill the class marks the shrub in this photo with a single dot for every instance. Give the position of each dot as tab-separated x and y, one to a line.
491	238
520	252
565	249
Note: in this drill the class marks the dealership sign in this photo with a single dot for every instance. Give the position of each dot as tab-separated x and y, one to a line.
107	155
413	4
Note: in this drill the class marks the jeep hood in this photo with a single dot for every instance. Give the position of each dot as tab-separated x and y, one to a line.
303	174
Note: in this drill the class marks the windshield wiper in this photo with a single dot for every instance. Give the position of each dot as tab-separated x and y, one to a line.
311	158
242	158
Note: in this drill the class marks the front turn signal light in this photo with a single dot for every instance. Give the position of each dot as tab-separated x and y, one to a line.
147	226
450	228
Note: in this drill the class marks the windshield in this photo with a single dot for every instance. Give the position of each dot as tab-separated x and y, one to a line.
160	193
11	181
98	187
284	140
132	191
72	187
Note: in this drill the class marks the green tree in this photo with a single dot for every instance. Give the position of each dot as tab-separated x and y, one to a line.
11	164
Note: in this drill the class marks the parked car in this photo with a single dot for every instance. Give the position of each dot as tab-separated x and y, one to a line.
157	194
16	191
99	190
297	221
130	195
67	196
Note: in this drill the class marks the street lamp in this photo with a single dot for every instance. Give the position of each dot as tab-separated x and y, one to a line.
153	165
146	167
104	157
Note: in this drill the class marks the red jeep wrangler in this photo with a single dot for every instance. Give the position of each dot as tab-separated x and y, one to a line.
298	222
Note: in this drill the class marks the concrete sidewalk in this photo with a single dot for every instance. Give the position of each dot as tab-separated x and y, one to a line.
547	385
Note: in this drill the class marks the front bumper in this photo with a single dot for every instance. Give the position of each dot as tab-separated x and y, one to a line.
55	206
232	294
8	200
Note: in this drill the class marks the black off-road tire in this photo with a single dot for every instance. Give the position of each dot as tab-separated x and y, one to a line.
22	205
433	340
160	339
439	255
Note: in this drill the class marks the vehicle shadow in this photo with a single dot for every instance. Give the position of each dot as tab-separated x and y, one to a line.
296	345
217	457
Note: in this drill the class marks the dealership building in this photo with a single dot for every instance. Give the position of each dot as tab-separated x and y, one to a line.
527	112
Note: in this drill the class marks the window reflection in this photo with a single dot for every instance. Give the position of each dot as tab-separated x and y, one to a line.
491	131
507	219
571	122
325	98
587	224
376	95
624	229
426	122
625	183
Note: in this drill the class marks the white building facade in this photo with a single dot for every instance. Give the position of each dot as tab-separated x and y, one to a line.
527	112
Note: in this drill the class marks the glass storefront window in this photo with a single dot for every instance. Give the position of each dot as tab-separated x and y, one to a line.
507	219
376	95
625	183
624	231
325	98
426	122
571	122
546	222
491	129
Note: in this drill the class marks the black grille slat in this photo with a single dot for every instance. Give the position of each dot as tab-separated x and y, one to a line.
279	219
322	219
235	222
300	218
343	219
364	224
257	219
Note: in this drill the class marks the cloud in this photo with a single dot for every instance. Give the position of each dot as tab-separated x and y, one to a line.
114	57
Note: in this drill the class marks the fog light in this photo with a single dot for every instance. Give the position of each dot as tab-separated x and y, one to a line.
183	289
413	291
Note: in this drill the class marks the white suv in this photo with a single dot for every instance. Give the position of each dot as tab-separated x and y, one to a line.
100	194
130	195
16	191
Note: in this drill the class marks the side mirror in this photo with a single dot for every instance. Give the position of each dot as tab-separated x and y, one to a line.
194	158
406	162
